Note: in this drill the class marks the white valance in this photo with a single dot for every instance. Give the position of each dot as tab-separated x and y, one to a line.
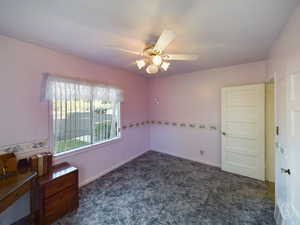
66	89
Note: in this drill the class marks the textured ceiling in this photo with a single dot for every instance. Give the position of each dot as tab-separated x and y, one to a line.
222	33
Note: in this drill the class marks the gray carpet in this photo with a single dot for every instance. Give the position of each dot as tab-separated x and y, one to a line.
159	189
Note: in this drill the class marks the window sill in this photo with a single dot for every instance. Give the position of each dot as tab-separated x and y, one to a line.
86	148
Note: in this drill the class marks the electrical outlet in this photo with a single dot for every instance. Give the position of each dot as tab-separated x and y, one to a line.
202	152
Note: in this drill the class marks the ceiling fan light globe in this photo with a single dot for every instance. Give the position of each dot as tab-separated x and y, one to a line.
165	66
152	69
140	63
157	60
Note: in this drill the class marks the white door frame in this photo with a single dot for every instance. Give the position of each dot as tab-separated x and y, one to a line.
270	130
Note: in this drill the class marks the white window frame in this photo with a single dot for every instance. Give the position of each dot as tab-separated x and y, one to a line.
81	149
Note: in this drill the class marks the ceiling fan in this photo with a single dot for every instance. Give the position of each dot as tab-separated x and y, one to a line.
154	57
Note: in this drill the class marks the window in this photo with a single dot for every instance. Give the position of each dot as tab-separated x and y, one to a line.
82	114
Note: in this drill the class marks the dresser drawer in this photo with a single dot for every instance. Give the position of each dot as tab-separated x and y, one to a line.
60	204
60	184
58	193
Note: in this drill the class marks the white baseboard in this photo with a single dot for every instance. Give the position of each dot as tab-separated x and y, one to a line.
191	159
91	179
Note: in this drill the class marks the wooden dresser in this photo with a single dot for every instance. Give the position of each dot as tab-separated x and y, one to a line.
58	193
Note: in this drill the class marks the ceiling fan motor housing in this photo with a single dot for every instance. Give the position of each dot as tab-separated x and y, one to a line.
150	51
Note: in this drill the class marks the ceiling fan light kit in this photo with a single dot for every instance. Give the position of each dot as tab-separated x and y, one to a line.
152	69
156	60
140	63
153	62
165	66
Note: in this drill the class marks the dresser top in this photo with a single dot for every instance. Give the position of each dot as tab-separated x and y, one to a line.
56	172
12	183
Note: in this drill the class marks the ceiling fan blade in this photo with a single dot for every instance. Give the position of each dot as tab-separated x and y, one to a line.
180	57
127	51
164	40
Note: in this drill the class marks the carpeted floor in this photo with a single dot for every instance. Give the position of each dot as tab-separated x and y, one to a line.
159	189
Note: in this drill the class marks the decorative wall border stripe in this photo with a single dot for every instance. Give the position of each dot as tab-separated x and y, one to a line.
23	150
192	125
26	149
135	124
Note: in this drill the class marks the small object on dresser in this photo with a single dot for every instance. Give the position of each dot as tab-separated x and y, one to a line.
11	165
2	168
41	163
8	165
23	164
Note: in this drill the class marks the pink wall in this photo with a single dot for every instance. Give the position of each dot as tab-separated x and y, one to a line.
285	54
195	98
24	118
284	60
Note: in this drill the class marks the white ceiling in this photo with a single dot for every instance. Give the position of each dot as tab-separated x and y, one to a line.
222	33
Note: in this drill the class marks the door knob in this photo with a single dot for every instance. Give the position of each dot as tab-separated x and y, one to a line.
223	133
288	171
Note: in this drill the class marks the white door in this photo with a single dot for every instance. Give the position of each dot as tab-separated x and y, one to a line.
293	148
281	153
243	130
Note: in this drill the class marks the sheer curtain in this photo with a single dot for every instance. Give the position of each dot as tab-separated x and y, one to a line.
83	113
87	90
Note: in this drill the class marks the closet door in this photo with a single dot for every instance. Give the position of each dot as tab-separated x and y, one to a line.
243	130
